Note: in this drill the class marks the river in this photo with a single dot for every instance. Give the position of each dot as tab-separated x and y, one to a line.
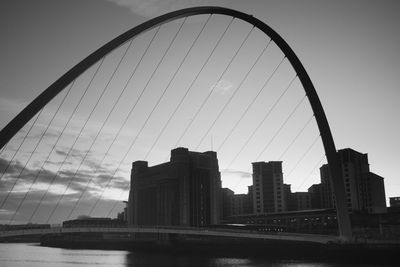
22	254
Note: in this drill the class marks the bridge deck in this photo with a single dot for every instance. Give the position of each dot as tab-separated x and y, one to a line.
171	230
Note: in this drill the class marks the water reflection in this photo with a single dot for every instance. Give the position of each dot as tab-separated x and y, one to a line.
18	254
156	259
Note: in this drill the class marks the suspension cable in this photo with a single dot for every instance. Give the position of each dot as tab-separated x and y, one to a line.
136	102
296	137
311	172
165	53
261	122
56	143
112	76
233	94
113	206
30	156
108	115
87	119
186	93
23	141
189	88
280	128
303	156
84	126
126	118
215	85
251	104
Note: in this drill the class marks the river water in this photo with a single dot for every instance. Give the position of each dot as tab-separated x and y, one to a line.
22	254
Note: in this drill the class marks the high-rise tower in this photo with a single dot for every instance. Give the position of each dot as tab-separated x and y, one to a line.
184	191
268	190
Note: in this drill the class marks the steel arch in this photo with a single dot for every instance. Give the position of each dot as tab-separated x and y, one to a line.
335	167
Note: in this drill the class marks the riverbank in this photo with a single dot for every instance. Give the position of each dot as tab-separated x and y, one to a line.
357	253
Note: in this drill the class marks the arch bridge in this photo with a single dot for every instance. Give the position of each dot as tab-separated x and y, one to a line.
60	84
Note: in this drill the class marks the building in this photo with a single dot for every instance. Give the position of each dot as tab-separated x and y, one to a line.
297	201
316	196
364	190
268	190
394	202
302	201
242	204
290	204
94	222
236	204
227	202
185	191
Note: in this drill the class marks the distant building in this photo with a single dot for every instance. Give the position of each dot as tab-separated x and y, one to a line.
394	202
227	202
364	190
302	201
316	196
242	204
185	191
297	201
268	188
290	203
123	216
236	204
94	222
28	226
250	194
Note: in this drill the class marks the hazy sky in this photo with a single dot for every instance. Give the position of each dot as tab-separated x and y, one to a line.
350	49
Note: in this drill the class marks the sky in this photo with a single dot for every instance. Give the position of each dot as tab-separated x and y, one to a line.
349	49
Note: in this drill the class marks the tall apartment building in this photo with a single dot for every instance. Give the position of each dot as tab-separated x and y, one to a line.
297	201
364	190
268	190
185	191
241	204
316	196
227	205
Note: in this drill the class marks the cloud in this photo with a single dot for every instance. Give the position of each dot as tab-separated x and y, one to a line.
241	174
153	8
78	183
25	213
7	168
222	87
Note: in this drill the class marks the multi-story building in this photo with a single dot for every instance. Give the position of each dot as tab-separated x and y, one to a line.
227	205
394	202
268	190
289	200
302	200
297	201
242	204
316	196
364	190
236	204
185	191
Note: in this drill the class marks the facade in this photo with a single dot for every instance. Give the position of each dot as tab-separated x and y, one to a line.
268	190
227	202
236	204
302	200
186	191
94	222
289	199
394	202
364	190
297	201
242	204
316	196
